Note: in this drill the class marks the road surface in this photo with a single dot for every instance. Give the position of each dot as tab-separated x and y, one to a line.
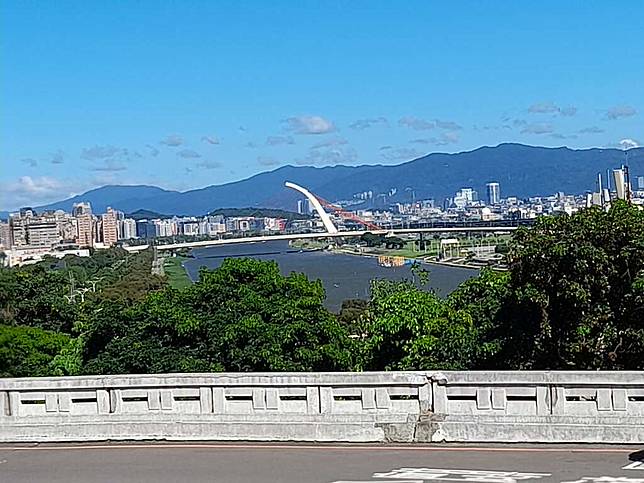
267	463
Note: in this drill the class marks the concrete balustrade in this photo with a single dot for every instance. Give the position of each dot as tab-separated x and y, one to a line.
360	407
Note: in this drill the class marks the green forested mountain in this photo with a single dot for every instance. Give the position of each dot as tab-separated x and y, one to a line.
522	171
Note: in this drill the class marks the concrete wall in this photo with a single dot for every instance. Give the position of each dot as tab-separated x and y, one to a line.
359	407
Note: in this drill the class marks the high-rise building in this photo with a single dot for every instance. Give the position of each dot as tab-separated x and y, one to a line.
127	229
18	230
5	235
465	197
621	183
493	193
110	227
85	222
81	209
43	233
304	207
640	183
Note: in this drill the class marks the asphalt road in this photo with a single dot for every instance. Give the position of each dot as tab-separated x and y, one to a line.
252	463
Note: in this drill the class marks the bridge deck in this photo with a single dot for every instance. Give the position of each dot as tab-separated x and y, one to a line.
303	236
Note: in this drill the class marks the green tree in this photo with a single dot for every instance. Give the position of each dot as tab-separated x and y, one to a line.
29	351
484	298
576	292
408	328
372	240
242	316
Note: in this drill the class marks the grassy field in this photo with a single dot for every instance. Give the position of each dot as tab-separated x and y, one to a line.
177	276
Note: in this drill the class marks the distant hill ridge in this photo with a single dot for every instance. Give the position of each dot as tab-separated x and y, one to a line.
521	170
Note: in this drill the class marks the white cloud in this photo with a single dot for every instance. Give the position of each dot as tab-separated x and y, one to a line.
416	123
210	139
619	112
591	130
543	108
568	111
267	161
109	165
278	140
629	143
329	156
33	191
362	124
538	128
208	165
552	108
449	125
401	154
172	140
557	135
31	162
334	141
103	152
188	153
448	138
309	125
154	152
58	157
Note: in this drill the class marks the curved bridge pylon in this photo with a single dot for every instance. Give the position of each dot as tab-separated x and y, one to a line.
324	216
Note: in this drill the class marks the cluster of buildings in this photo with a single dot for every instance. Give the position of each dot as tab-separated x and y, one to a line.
467	206
29	236
212	225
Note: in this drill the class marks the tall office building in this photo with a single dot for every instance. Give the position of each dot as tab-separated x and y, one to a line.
465	197
493	193
621	181
85	221
110	227
304	207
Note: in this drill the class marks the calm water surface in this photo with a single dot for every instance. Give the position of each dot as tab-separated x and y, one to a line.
343	276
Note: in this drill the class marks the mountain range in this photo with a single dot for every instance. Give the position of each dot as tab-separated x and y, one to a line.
521	171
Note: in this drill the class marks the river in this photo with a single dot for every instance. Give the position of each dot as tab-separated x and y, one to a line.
343	276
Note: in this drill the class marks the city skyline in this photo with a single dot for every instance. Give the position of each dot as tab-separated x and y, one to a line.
156	94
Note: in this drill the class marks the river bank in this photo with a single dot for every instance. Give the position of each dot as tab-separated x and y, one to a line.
343	275
176	272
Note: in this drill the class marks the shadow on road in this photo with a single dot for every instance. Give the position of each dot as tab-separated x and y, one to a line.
637	456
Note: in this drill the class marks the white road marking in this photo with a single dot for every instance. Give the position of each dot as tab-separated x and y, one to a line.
635	465
606	479
471	476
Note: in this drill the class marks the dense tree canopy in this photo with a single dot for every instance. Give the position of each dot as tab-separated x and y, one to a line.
405	327
242	316
29	351
572	298
578	283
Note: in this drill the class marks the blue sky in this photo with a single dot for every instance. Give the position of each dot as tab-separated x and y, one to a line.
184	94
